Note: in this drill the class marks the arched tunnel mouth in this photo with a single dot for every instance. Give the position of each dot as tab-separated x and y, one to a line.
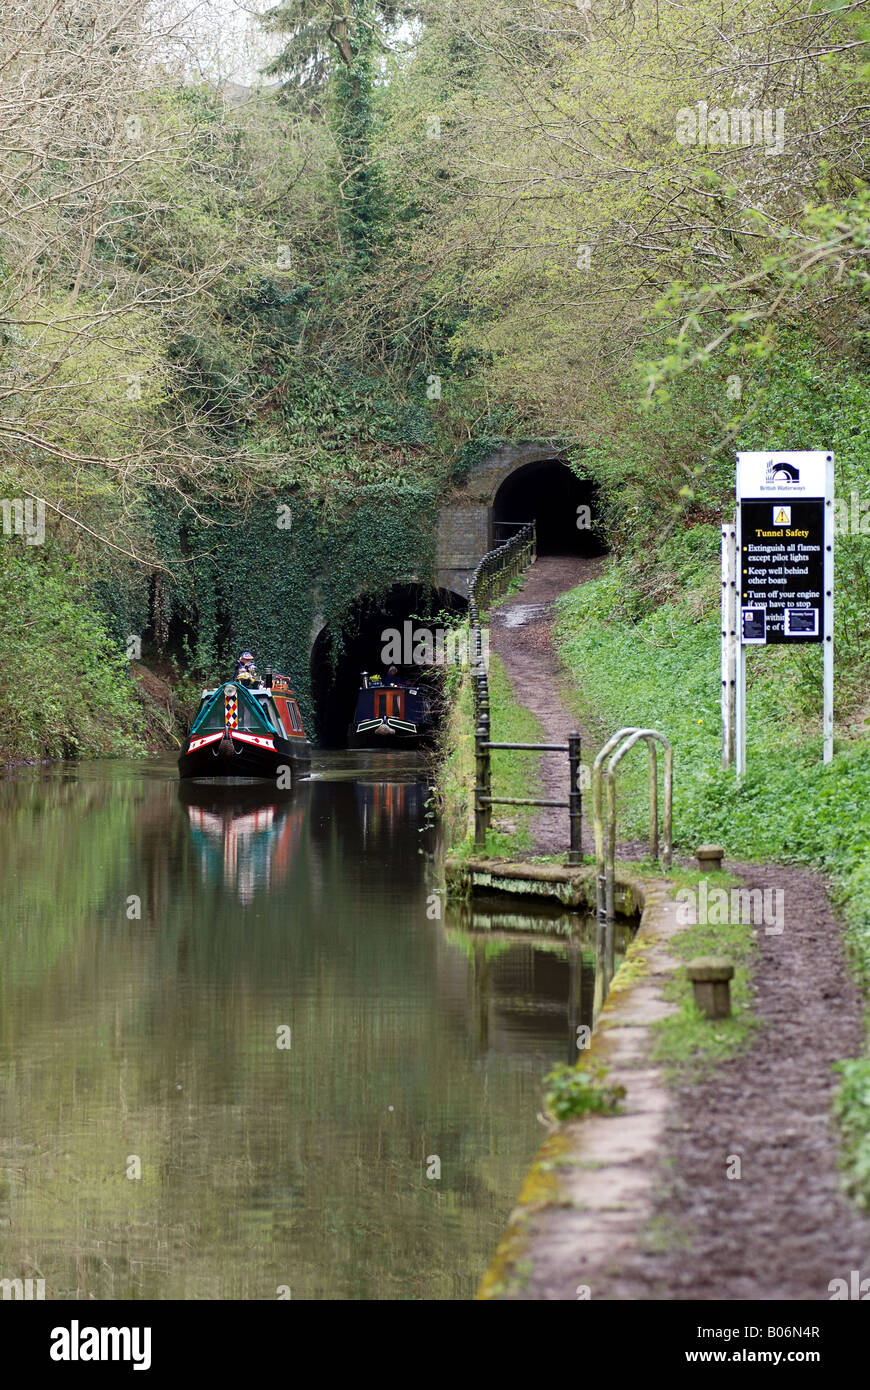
564	507
373	623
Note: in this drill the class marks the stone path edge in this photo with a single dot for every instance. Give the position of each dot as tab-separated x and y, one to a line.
590	1190
571	887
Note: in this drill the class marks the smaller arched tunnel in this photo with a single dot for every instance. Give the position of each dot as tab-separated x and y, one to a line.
371	628
564	507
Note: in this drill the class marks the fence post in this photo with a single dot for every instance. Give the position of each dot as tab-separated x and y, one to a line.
487	765
481	781
575	800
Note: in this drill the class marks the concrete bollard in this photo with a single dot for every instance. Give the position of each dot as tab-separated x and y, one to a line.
709	857
711	976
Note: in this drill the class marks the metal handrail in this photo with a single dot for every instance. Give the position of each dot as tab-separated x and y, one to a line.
496	568
484	800
616	748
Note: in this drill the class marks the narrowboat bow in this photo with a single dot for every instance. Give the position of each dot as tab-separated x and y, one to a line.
245	730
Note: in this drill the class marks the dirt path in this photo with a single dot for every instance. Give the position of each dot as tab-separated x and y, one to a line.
783	1230
522	636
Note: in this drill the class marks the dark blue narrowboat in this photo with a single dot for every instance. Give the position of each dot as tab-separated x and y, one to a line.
242	729
390	713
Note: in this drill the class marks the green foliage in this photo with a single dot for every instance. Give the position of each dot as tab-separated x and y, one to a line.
826	257
494	430
343	419
664	520
662	672
572	1092
512	773
287	273
455	770
852	1109
310	52
67	687
362	203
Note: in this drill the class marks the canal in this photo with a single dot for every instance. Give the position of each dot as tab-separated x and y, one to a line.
247	1053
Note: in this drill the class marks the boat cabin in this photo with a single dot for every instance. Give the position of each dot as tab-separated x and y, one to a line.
285	703
251	708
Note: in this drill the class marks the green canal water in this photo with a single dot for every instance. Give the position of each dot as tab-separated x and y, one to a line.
158	943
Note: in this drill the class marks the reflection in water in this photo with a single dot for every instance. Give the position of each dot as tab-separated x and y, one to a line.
512	988
388	808
156	1141
245	836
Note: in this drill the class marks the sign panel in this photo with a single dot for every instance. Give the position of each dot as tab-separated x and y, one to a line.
754	625
781	476
782	570
779	586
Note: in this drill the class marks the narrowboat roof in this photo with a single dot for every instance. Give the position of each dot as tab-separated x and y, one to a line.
247	697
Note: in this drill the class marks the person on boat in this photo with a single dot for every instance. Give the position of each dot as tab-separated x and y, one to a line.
245	669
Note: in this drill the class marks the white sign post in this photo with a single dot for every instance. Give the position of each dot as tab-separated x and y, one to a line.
783	577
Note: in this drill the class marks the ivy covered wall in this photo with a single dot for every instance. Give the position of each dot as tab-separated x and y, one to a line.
266	576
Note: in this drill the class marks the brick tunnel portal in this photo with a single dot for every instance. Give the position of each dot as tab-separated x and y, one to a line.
563	506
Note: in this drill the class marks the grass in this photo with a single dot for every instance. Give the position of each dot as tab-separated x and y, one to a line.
687	1039
513	774
455	773
67	690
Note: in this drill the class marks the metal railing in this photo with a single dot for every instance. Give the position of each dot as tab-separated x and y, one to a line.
615	750
489	581
499	566
505	530
484	800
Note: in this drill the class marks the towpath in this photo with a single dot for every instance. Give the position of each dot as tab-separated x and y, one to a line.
521	635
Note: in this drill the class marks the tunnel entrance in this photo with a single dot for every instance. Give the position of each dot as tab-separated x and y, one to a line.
335	674
563	506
